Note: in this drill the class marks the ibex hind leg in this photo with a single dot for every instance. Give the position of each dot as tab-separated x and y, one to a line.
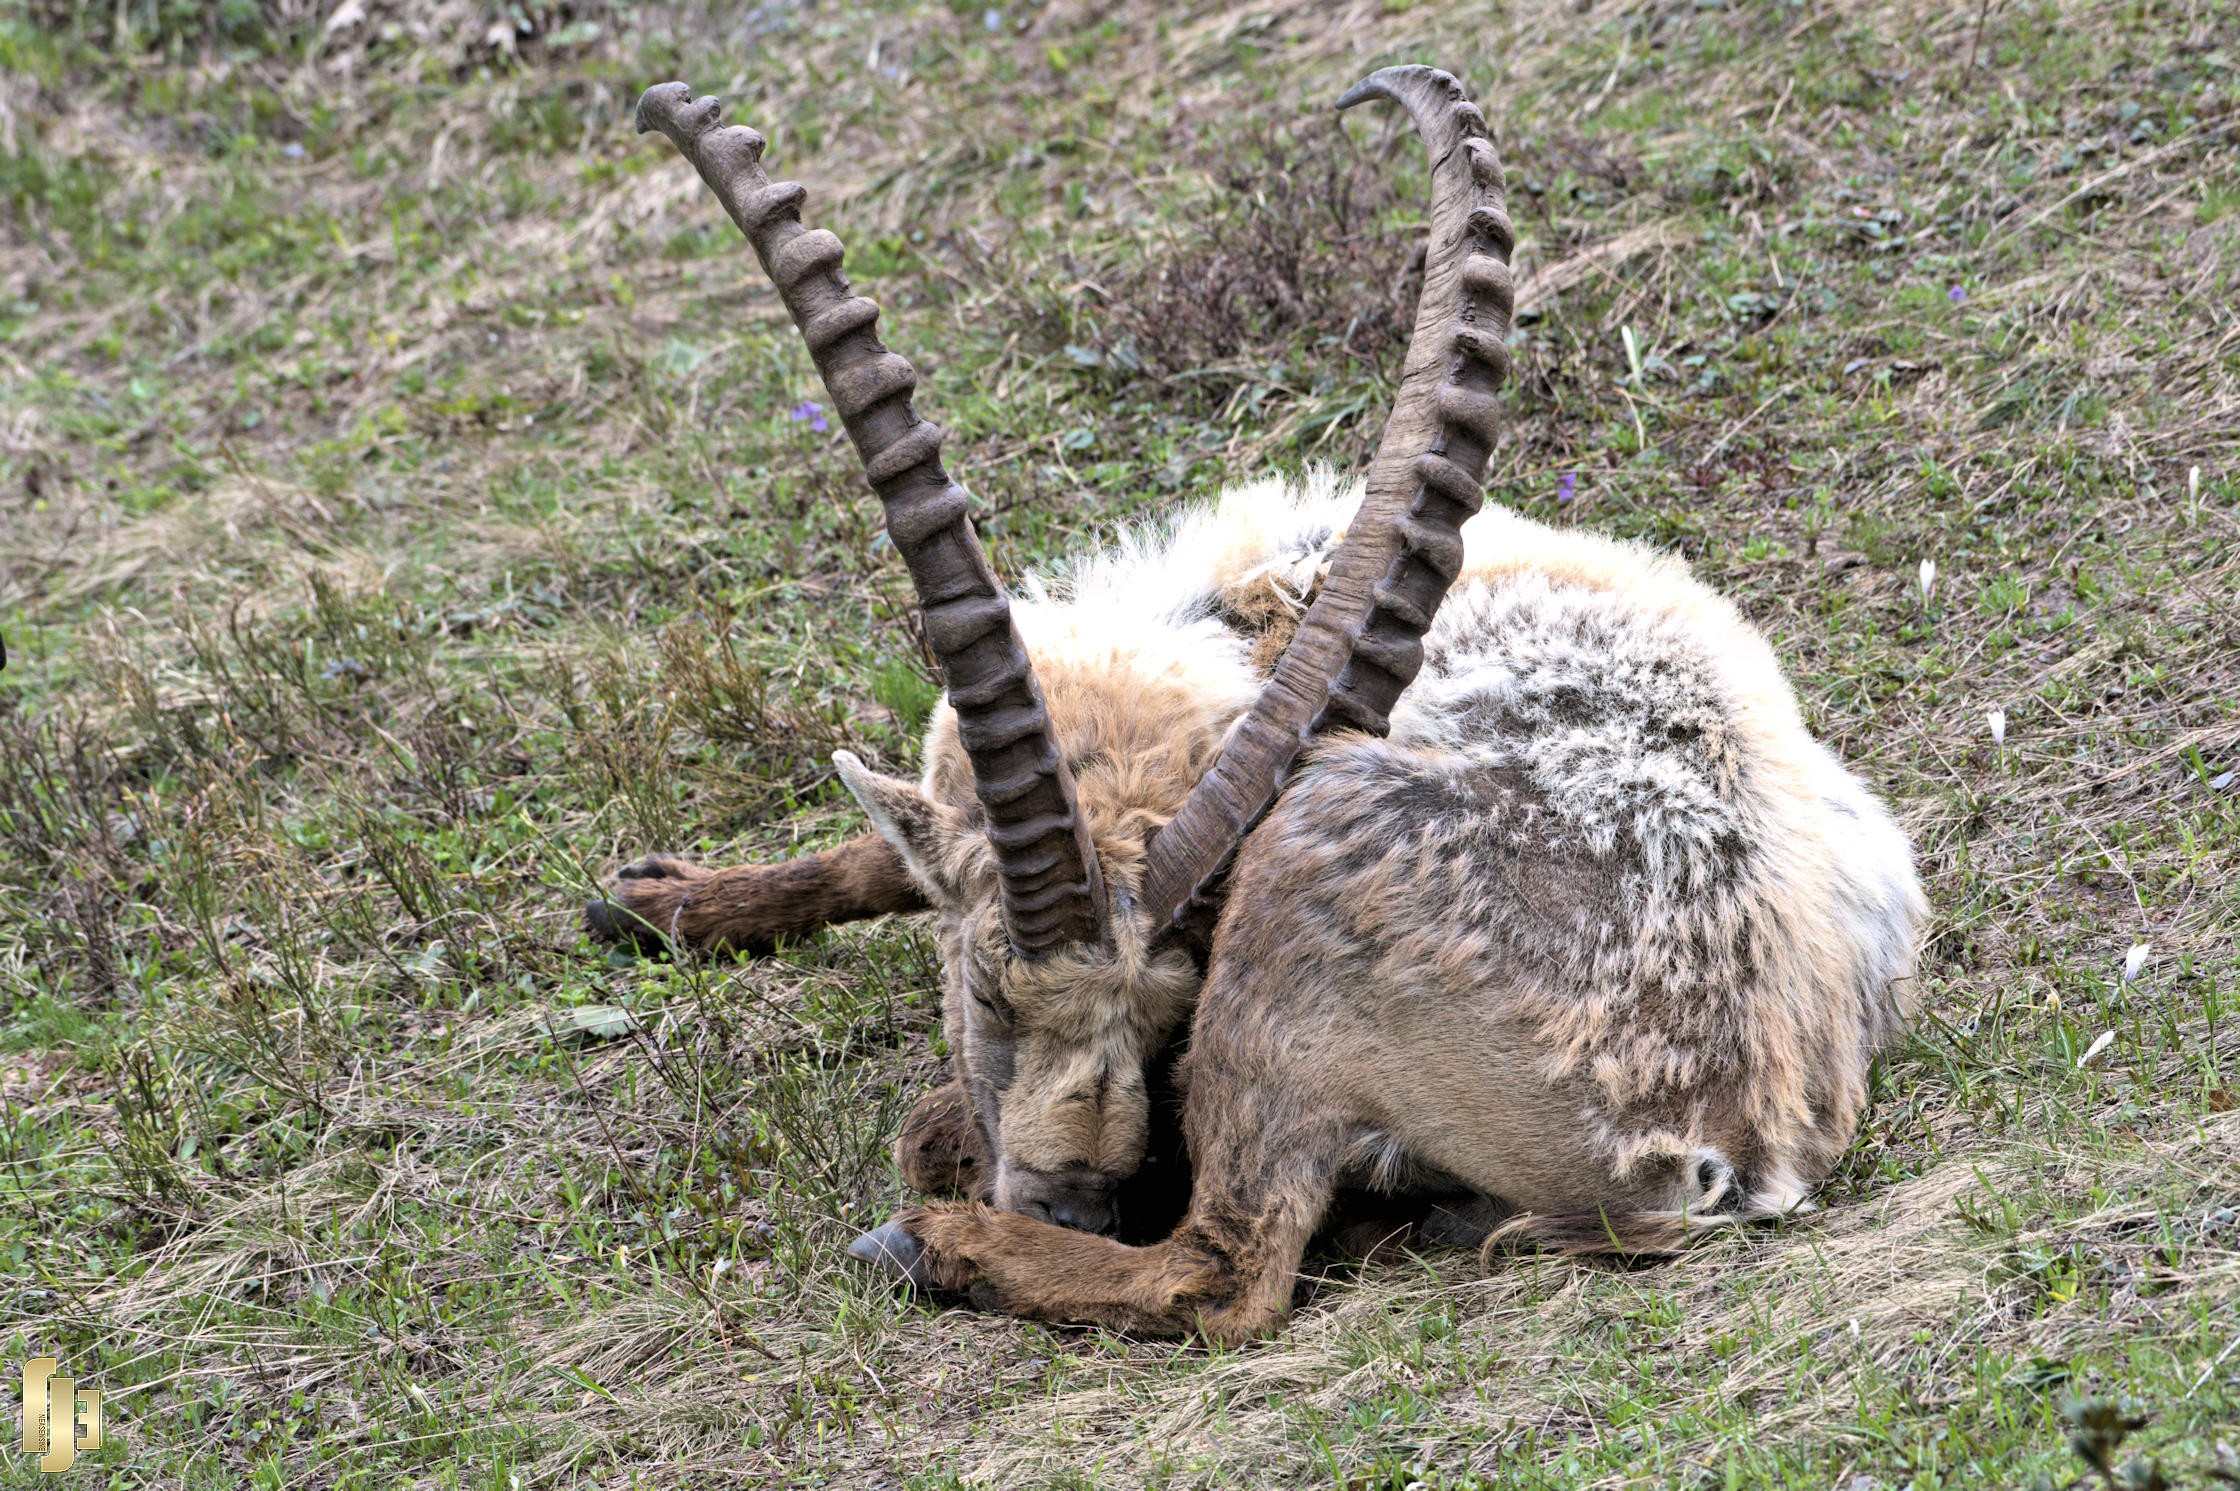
1226	1273
1712	1195
662	901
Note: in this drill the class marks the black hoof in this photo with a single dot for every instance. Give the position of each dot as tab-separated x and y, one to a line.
619	926
894	1250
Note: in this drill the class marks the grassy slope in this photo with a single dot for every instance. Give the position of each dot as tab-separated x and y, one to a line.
400	519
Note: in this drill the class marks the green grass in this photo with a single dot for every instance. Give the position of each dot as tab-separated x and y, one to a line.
401	523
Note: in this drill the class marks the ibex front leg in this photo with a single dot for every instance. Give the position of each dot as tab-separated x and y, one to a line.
662	900
1265	1177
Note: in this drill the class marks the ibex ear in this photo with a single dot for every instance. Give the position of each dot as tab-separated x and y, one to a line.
921	830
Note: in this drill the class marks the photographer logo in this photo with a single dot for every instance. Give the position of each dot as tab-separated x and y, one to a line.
58	1420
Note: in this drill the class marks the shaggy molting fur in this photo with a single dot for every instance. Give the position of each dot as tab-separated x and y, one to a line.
1598	932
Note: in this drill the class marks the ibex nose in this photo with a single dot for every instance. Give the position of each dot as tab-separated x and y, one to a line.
1084	1213
1081	1200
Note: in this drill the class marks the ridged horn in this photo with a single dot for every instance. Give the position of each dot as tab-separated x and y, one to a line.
1361	642
1053	896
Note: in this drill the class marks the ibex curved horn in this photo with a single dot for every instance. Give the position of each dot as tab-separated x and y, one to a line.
1052	894
1361	642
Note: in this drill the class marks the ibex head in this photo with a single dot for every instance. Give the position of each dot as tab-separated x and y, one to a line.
1054	1048
1074	926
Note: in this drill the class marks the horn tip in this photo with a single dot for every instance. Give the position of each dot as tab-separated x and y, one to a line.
659	100
1359	93
1393	82
671	109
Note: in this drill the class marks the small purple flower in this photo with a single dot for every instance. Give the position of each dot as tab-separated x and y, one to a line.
1957	294
1567	487
812	411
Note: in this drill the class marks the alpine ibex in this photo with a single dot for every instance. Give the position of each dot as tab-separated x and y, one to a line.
1586	926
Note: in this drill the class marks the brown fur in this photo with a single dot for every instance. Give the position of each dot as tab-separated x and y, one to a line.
1267	612
1162	742
752	909
940	1150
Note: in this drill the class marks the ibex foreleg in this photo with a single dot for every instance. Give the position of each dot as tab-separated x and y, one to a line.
1226	1273
662	901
